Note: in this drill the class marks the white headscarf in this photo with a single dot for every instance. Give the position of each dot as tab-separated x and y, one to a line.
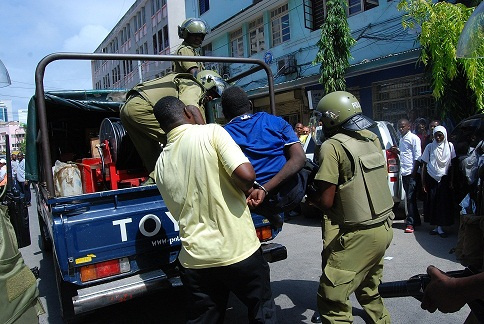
440	156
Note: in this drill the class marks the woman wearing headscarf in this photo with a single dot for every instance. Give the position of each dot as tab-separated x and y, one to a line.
436	181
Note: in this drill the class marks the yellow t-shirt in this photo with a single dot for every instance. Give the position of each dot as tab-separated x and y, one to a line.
193	174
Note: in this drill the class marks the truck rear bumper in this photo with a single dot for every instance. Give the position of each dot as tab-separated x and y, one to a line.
91	298
118	291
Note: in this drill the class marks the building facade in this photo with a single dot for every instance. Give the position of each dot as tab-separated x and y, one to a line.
5	110
16	134
148	27
384	73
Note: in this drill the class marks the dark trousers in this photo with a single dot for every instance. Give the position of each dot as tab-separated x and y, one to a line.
24	188
249	280
410	187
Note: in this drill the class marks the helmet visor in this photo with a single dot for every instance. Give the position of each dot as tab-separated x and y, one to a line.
357	122
219	85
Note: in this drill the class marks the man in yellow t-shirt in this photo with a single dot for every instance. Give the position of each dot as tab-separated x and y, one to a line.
204	177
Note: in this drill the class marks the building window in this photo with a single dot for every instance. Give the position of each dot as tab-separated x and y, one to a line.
357	6
128	32
165	36
203	5
314	13
280	25
207	50
116	45
138	18
155	6
237	43
393	99
256	36
160	40
155	44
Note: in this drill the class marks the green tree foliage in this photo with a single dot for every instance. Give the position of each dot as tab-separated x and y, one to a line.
334	47
458	84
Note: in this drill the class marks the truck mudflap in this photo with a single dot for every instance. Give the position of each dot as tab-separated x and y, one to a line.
91	298
122	290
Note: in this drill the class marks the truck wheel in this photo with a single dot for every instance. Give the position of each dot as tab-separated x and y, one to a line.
65	292
45	241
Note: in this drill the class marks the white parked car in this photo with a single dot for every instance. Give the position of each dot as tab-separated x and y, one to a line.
388	138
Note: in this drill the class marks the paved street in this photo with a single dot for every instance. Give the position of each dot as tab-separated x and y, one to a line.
294	281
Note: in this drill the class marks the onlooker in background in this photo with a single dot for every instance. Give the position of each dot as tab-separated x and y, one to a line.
437	181
410	151
23	184
14	165
192	31
3	172
412	117
422	133
305	134
272	148
421	194
433	123
204	178
298	129
425	138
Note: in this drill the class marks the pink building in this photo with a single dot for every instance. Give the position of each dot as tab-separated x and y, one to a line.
16	135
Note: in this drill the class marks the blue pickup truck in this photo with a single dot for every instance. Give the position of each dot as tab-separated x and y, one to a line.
112	238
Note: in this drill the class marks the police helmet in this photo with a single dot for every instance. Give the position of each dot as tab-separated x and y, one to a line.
211	80
342	109
192	26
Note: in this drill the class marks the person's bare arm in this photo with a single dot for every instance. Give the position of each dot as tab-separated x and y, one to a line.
323	197
294	164
422	175
449	294
244	177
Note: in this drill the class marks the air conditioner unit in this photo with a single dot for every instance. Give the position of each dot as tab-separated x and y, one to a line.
287	65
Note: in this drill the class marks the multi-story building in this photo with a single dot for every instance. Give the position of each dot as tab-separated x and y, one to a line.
148	27
384	73
5	110
16	134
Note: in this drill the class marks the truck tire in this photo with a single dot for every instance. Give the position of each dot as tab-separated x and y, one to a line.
45	242
65	292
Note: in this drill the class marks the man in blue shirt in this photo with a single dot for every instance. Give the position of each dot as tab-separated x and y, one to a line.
274	150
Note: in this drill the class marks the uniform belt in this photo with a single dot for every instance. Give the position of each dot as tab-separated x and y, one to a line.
363	227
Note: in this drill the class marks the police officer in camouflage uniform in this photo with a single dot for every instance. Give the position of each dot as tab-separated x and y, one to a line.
137	113
192	31
351	187
19	295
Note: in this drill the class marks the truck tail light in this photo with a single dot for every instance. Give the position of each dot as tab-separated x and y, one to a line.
264	233
392	164
104	269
